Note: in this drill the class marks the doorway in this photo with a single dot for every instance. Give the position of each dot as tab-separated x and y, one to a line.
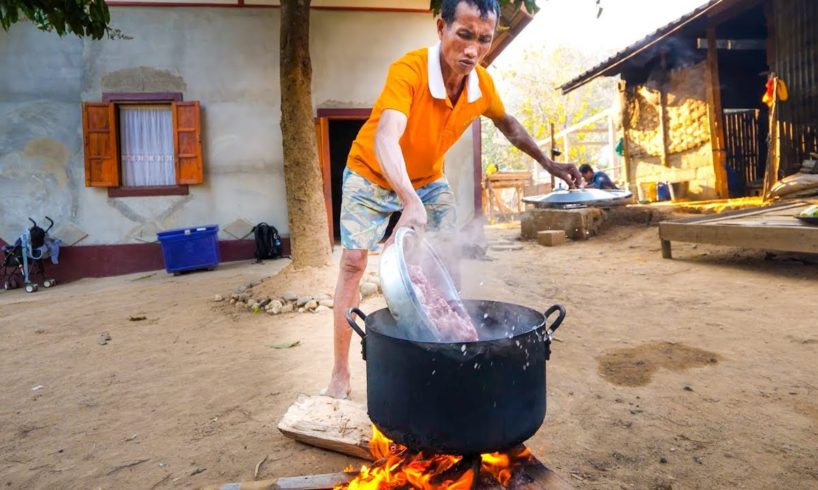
336	130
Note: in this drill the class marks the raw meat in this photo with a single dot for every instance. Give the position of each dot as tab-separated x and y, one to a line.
452	325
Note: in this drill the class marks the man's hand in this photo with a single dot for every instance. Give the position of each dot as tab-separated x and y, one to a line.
565	171
412	216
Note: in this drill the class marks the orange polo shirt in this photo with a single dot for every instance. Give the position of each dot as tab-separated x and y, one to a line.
414	86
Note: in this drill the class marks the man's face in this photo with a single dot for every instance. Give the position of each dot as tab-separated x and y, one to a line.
588	176
465	42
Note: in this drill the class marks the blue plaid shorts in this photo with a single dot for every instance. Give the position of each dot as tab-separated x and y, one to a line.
366	208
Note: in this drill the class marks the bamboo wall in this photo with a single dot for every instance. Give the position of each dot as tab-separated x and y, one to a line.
795	60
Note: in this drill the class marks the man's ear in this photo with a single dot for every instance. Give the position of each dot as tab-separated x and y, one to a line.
441	24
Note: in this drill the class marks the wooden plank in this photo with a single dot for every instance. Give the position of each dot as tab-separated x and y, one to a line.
739	212
338	425
786	239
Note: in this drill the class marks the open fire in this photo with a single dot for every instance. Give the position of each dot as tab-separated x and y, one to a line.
396	466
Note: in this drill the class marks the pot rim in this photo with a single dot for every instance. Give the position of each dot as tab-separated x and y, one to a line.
540	325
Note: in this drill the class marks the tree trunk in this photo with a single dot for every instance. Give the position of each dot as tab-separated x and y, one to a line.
302	172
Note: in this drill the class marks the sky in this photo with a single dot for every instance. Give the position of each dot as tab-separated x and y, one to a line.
574	23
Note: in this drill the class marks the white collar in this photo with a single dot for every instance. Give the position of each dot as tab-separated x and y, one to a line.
436	86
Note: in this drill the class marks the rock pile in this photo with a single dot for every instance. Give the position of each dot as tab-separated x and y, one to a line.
291	302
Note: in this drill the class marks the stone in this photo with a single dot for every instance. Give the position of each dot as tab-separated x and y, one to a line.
287	308
301	301
321	308
329	303
369	289
289	296
217	298
578	224
243	297
264	302
275	307
103	339
551	238
301	310
311	305
323	297
232	301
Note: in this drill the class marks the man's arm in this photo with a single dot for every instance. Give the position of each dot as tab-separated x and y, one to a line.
519	137
388	151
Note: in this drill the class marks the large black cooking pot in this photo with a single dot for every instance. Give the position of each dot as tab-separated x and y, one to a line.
459	398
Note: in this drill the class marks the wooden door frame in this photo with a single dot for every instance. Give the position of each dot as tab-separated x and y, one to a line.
325	116
322	120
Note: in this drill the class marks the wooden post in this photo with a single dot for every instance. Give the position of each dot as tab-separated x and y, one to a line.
714	113
666	250
612	142
773	142
629	173
553	179
663	111
322	138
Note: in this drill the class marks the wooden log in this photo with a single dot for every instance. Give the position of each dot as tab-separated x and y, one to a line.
532	476
338	425
309	482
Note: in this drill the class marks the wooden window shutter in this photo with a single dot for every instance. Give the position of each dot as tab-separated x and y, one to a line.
187	142
100	144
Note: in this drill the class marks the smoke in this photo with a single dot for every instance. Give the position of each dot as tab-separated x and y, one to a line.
456	247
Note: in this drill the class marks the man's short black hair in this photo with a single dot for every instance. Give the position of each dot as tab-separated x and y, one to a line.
486	7
585	168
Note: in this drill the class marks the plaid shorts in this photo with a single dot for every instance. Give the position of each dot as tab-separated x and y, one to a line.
366	208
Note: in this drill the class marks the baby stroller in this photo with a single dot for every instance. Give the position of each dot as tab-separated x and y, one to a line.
26	256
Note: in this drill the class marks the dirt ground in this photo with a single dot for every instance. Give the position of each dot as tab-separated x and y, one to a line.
698	372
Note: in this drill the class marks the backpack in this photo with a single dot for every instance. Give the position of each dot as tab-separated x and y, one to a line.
268	242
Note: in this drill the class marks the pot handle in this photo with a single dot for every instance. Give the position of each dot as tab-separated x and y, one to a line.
353	324
555	325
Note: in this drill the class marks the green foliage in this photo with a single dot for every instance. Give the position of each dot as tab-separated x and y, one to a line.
85	18
530	5
529	93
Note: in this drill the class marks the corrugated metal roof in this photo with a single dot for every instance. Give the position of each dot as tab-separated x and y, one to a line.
606	67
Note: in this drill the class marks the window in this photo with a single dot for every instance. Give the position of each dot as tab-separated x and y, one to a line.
146	145
142	145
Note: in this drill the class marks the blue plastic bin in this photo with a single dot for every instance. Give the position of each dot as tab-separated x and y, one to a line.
188	249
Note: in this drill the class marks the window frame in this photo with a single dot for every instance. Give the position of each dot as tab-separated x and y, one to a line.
136	98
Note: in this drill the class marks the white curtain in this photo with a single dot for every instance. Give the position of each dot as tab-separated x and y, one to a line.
146	136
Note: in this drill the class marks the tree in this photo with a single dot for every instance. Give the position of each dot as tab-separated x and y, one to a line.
309	229
85	18
532	98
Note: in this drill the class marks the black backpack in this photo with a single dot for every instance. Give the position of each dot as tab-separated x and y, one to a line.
268	242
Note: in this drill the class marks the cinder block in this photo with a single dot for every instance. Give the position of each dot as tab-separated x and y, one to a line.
551	238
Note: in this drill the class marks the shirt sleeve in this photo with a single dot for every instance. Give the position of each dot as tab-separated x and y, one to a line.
401	85
495	108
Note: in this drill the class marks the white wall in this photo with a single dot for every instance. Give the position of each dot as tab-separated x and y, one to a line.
228	59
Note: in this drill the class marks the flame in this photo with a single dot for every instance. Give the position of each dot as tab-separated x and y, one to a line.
396	466
502	465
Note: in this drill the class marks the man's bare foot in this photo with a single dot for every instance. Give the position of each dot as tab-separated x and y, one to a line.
338	386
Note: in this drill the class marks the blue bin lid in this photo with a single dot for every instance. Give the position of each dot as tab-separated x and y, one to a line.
188	231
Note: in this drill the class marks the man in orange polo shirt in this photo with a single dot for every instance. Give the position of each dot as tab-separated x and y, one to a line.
396	162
